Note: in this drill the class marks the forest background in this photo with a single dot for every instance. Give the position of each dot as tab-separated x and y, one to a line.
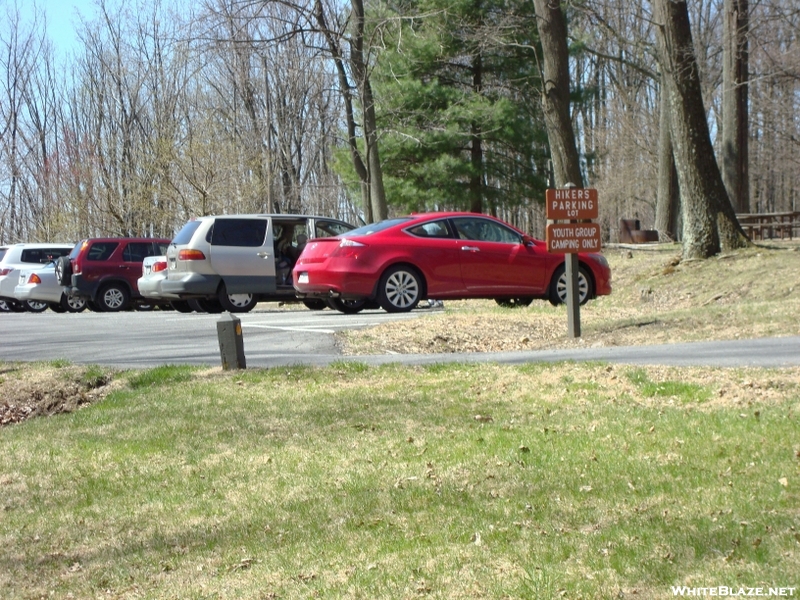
169	110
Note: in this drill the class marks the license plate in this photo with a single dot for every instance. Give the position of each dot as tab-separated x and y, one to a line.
302	278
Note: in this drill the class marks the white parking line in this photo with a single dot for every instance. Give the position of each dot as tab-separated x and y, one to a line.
277	328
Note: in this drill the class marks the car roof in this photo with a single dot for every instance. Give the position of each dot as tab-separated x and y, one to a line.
266	215
35	245
135	239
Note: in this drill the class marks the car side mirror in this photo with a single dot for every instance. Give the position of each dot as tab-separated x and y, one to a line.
527	240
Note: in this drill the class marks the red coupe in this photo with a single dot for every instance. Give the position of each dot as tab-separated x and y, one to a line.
449	255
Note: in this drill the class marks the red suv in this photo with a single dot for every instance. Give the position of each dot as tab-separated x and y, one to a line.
105	270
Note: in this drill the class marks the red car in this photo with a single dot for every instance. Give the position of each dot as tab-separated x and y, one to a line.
449	255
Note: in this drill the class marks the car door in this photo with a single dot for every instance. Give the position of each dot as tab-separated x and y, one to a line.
495	260
434	249
243	255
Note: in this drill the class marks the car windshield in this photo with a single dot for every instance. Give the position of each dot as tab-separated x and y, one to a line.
184	236
376	227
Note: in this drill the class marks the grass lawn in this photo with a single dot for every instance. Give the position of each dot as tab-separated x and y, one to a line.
448	481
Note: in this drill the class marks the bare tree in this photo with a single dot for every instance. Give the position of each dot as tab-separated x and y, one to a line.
735	116
709	222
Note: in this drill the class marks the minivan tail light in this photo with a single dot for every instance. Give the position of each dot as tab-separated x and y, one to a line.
191	255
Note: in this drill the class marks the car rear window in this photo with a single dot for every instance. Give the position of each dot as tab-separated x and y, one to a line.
2	253
375	227
101	250
42	255
184	236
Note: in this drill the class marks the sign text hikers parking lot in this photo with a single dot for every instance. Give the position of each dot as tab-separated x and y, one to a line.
571	203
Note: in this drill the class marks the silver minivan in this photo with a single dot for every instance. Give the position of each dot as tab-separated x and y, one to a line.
231	262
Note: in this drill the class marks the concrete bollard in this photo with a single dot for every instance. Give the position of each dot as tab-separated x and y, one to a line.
231	343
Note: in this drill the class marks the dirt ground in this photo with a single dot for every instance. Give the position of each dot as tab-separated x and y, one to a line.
656	299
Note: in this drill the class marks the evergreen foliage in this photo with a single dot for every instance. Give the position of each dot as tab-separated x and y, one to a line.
458	106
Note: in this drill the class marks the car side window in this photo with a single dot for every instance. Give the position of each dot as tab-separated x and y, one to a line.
484	230
137	251
101	250
239	232
434	229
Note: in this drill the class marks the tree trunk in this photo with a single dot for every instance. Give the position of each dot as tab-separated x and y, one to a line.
709	221
668	192
360	72
476	149
555	61
735	115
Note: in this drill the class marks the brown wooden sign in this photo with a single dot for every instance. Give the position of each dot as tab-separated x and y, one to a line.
568	238
571	203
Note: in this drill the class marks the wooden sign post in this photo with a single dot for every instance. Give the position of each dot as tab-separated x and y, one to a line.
578	207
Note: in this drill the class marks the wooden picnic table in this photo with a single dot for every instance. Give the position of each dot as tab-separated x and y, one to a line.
760	226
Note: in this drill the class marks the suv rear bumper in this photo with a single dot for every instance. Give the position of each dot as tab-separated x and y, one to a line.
81	287
189	285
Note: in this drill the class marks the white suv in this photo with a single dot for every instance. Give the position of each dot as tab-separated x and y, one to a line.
15	257
231	262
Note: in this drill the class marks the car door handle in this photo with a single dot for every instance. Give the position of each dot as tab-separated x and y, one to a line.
263	254
470	248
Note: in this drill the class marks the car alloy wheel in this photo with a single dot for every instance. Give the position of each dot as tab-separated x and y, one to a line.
558	287
113	298
400	289
73	304
35	306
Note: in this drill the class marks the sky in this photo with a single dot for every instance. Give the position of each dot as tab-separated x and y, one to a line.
62	19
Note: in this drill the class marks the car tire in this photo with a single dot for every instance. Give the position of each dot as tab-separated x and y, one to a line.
73	304
15	306
63	270
348	307
113	297
236	303
315	303
400	289
182	306
204	305
558	286
4	306
514	302
56	307
35	306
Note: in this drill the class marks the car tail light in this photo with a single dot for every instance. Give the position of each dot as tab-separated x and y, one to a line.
191	255
34	278
6	272
161	265
348	249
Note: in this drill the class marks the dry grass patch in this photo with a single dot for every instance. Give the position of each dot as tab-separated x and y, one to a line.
656	299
